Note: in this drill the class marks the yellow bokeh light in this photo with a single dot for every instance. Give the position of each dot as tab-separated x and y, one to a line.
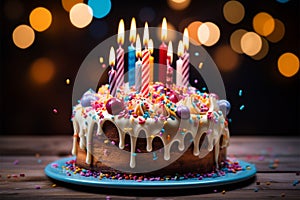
208	33
278	32
263	24
226	59
23	36
288	64
193	30
40	19
233	12
179	4
68	4
235	40
42	70
251	43
263	51
81	15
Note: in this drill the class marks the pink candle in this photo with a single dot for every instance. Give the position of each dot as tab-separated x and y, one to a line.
185	59
120	55
163	53
145	63
169	76
112	73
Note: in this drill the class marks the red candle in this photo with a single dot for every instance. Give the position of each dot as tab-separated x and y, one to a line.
169	76
163	53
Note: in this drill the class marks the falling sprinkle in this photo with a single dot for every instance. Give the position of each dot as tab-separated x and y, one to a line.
240	93
196	81
68	81
53	185
229	120
197	54
55	111
204	88
200	65
101	59
103	65
242	107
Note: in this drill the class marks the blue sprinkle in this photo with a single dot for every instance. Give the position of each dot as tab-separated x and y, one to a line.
162	130
197	54
229	120
240	93
204	88
242	107
133	154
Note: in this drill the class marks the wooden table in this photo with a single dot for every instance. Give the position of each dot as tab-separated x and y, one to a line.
277	161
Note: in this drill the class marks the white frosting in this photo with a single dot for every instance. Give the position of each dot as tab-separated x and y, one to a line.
85	118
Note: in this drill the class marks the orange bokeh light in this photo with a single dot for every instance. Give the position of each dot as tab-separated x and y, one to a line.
263	24
288	64
40	19
226	59
193	32
23	36
42	70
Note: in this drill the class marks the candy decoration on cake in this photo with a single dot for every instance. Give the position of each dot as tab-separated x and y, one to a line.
186	59
151	60
145	63
114	106
224	106
183	112
112	73
163	52
138	65
131	53
179	64
88	98
120	55
169	77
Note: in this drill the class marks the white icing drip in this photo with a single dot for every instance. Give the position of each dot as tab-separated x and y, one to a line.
214	130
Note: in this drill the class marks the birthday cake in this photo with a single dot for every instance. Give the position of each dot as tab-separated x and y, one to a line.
167	130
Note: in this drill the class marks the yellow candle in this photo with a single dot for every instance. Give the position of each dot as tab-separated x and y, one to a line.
150	47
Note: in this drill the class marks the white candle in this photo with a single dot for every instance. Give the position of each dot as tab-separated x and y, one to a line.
138	65
179	64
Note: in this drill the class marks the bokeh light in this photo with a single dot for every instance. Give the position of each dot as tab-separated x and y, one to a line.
42	70
179	4
100	7
171	35
251	43
68	4
193	32
98	29
278	32
40	19
23	36
226	59
13	9
288	64
282	1
263	23
147	14
235	40
263	51
233	11
208	33
81	15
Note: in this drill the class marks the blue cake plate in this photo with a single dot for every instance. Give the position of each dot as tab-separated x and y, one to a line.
55	171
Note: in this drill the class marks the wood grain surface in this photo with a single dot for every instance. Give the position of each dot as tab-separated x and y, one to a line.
29	156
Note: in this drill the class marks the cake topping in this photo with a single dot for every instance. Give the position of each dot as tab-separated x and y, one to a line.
88	98
114	106
183	112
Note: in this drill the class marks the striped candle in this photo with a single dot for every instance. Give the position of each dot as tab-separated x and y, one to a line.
120	55
185	59
145	63
112	73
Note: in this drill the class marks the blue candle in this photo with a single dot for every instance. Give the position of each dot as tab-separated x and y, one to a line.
131	65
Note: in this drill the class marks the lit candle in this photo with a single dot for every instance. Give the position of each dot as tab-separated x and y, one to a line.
185	59
112	73
145	63
179	64
131	53
169	77
120	55
163	52
138	65
151	59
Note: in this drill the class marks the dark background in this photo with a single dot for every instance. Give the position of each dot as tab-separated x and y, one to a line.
271	100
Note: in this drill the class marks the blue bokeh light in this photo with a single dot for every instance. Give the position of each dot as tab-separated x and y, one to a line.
100	7
282	1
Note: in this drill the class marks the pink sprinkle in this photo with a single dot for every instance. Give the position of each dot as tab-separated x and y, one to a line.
37	187
54	165
55	111
16	162
113	142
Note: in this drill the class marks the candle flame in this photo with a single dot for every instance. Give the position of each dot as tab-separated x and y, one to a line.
112	57
121	32
146	35
170	51
164	29
150	46
138	47
180	49
186	39
132	34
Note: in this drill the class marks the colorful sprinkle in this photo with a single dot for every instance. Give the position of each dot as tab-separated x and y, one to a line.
67	81
240	93
55	111
242	107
